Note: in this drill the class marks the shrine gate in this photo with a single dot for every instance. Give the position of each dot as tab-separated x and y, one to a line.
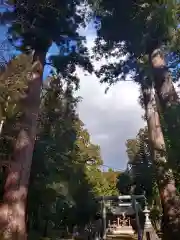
121	216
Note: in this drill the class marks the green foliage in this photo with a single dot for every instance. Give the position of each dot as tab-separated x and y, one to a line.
32	30
111	179
66	175
140	176
37	30
124	183
13	84
150	24
54	172
13	88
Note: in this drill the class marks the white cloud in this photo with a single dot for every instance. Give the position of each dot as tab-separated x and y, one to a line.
110	118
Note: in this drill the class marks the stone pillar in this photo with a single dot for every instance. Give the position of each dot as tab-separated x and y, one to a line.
118	222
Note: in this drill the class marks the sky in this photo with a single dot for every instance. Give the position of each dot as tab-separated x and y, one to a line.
110	118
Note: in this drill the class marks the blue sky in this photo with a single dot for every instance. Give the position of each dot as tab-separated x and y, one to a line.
52	51
3	31
110	118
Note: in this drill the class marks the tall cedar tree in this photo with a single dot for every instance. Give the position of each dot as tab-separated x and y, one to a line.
37	24
151	25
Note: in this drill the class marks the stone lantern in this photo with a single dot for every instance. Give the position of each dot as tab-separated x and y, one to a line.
149	232
147	224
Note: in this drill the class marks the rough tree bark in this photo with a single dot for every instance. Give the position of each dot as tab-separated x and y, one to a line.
169	105
13	208
163	80
170	199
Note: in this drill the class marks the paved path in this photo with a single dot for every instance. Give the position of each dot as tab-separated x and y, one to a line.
121	237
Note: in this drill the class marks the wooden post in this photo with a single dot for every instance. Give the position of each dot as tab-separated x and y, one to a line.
104	218
137	219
